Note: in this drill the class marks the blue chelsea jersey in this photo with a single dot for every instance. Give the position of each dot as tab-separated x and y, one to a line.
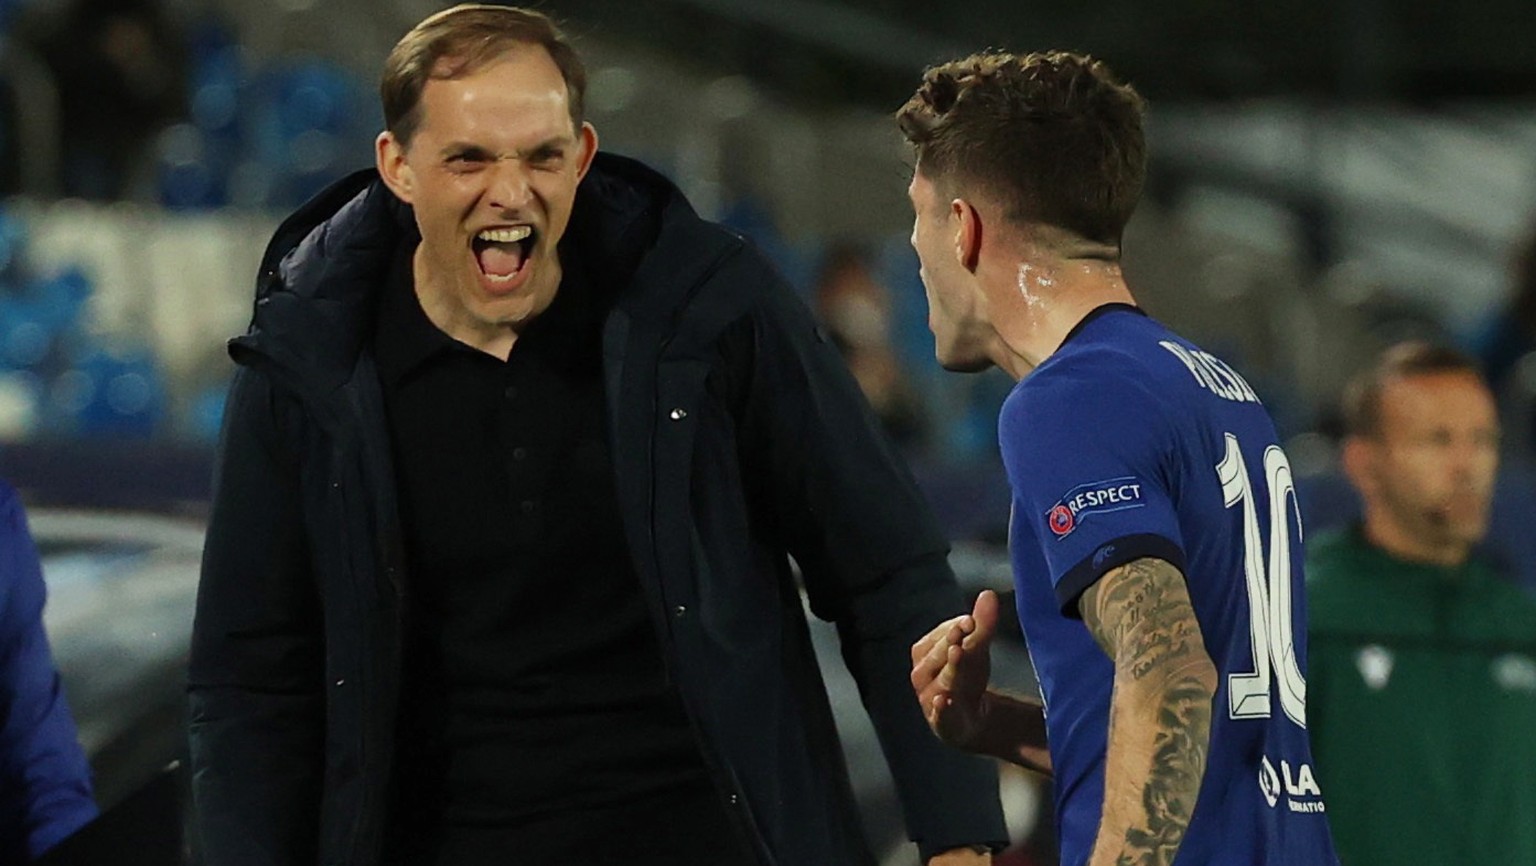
1130	442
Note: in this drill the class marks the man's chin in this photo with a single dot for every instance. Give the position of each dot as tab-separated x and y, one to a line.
965	365
1444	532
507	312
517	308
1471	533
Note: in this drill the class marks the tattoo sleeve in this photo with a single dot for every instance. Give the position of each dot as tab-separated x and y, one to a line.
1160	712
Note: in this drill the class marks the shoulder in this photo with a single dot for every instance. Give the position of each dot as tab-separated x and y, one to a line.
735	282
693	270
1339	577
1328	553
1081	371
1507	605
13	516
1082	391
641	231
21	584
742	268
356	219
10	500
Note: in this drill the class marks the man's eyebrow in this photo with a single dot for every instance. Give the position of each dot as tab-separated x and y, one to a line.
464	148
458	148
559	142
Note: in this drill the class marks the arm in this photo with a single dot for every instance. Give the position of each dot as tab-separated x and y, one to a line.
1160	711
951	666
257	714
45	782
870	552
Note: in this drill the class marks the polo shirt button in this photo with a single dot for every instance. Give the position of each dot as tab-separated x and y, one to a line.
734	798
680	611
528	506
678	414
511	392
519	453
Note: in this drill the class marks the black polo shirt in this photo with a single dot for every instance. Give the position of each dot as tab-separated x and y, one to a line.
537	717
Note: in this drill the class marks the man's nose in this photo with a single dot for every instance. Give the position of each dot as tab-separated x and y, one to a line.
509	189
1467	456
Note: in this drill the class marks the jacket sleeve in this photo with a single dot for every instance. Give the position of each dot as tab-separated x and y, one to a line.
45	782
871	554
256	675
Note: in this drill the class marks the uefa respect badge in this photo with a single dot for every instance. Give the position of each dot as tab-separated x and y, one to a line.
1086	500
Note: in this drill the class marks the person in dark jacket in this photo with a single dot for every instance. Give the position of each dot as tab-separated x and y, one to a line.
45	781
498	567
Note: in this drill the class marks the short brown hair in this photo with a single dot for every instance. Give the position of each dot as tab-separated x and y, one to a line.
468	37
1362	397
1055	135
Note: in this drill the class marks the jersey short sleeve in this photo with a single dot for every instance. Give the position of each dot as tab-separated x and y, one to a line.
1087	451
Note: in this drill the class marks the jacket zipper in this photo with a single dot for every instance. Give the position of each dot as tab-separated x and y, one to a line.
737	809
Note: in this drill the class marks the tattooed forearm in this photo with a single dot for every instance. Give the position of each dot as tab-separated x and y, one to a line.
1178	763
1135	613
1160	713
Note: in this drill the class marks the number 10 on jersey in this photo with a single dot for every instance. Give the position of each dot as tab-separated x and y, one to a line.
1269	586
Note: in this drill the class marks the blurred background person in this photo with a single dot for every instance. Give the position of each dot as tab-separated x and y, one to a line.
1422	692
120	71
856	309
45	782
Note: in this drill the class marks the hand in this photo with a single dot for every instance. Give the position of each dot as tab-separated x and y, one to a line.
961	857
950	669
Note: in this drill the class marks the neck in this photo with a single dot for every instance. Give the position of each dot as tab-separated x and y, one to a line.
1041	296
1403	543
453	319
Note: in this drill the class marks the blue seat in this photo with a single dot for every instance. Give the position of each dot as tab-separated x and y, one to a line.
116	394
25	337
60	299
304	125
35	318
188	177
1511	543
206	417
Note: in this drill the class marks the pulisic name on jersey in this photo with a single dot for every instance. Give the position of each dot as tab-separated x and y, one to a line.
1099	497
1213	374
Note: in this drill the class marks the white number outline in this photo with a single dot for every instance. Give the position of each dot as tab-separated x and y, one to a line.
1269	588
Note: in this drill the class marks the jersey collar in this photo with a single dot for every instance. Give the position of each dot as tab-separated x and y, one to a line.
1098	312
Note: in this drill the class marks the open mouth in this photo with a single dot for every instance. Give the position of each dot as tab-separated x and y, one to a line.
502	252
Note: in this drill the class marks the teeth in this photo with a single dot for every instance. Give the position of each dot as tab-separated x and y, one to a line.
506	236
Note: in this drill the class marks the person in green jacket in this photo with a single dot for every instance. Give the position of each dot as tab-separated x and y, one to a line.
1422	684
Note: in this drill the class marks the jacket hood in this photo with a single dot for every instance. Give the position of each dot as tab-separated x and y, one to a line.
325	266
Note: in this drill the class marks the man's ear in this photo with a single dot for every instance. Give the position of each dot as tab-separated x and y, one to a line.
389	156
968	229
588	145
1358	460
